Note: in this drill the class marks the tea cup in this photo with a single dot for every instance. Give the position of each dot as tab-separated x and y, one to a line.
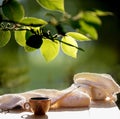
38	105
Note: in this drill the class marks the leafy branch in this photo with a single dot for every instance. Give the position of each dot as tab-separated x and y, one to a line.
30	33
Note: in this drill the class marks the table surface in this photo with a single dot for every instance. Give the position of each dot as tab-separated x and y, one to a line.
97	110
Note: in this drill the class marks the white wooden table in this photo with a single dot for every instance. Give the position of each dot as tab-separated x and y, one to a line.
97	110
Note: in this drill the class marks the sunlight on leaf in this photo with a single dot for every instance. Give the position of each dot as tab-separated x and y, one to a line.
52	4
88	30
68	50
77	36
20	37
29	49
13	10
33	21
4	38
91	17
102	13
49	49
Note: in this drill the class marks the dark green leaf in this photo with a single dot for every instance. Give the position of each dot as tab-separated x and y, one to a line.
13	10
0	18
34	41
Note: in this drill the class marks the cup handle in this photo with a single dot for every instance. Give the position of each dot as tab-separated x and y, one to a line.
27	106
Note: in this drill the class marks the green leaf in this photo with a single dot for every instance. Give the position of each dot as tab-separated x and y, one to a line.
13	10
91	17
20	37
77	36
4	38
49	49
28	34
29	49
33	21
68	50
89	30
52	4
102	13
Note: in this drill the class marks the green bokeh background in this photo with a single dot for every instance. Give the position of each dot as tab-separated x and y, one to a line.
21	71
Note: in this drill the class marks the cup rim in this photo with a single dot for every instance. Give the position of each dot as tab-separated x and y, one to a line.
39	98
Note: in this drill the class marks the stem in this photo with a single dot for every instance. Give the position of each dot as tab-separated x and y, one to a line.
36	25
24	24
70	45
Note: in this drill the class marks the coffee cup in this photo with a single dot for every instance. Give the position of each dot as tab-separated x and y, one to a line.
38	105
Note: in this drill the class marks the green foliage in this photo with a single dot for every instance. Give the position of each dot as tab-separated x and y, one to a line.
50	49
4	37
52	4
91	18
89	30
71	51
13	10
78	36
31	21
34	41
33	33
20	37
12	78
29	49
102	13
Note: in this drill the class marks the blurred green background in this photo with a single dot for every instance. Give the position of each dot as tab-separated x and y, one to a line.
21	71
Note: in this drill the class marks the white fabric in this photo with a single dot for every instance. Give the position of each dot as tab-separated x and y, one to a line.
86	87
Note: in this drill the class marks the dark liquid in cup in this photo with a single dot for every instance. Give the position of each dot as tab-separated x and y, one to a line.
39	98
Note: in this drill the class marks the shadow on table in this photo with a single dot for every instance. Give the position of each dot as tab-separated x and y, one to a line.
102	104
69	109
94	104
27	116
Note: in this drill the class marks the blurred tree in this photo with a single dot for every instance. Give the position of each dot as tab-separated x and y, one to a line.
13	69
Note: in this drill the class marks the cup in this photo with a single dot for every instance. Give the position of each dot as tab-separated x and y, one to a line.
38	105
